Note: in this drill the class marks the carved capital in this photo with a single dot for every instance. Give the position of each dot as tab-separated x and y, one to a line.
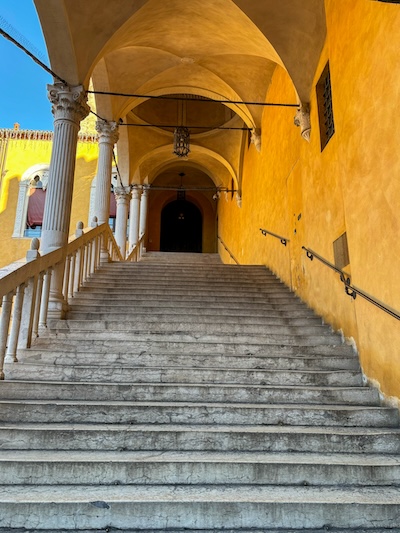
238	200
108	131
68	103
122	195
256	138
302	120
136	192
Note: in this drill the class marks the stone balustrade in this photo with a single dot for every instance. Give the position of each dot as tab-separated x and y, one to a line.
24	292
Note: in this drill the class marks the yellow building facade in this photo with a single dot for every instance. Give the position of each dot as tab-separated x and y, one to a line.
300	187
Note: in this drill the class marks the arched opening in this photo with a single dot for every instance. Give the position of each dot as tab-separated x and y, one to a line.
181	227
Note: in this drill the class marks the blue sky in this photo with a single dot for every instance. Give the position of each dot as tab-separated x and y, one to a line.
23	95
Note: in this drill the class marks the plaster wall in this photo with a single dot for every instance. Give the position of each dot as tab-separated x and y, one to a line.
21	155
353	185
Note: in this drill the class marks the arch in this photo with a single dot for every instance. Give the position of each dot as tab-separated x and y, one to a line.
28	181
181	227
210	161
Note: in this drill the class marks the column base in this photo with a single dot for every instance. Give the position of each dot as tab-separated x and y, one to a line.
57	309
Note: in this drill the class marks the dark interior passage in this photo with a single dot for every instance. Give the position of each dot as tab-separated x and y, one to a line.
181	227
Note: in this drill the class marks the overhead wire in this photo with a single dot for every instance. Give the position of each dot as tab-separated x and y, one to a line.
133	95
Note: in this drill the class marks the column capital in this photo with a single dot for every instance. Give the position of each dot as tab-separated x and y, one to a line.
145	189
122	194
108	131
68	103
136	191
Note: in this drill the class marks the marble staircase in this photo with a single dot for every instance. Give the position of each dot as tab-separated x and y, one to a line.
182	394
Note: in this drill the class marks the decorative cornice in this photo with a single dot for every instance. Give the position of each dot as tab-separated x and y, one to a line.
40	135
68	103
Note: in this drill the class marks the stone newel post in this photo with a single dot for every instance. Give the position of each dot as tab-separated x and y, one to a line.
69	108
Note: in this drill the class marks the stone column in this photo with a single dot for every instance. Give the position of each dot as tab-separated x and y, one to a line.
108	136
143	210
134	217
69	108
122	197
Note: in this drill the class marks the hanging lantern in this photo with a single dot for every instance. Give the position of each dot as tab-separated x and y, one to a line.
181	141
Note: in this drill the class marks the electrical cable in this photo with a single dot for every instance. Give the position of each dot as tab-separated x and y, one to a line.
32	56
168	97
189	127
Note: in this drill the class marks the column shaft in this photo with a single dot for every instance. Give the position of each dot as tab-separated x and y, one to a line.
122	196
134	218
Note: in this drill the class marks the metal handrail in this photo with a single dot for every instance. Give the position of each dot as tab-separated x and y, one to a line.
350	289
227	249
283	240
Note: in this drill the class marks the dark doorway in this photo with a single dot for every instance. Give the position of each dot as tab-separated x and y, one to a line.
181	227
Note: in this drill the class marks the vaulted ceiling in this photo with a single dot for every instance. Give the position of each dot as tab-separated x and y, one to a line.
219	49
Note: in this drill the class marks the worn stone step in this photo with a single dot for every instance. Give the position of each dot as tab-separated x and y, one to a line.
215	530
185	325
120	346
131	374
170	437
226	298
195	468
58	357
180	338
128	412
147	507
126	305
61	390
136	316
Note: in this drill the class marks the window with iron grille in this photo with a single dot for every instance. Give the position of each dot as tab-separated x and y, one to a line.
325	108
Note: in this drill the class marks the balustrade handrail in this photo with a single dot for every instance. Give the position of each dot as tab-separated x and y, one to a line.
283	240
135	253
350	289
25	291
227	249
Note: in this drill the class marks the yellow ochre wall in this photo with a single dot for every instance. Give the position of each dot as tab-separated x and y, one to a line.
294	190
23	154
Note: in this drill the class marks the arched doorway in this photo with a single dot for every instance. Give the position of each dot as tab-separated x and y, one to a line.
181	227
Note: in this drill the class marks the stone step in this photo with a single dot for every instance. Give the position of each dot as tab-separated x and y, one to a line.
189	392
199	340
57	357
168	437
119	346
155	507
79	304
184	326
131	374
126	305
187	296
214	530
126	412
135	316
181	257
195	468
185	283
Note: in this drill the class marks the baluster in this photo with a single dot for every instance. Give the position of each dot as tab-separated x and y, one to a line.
38	298
11	355
66	277
44	304
4	326
72	276
28	310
